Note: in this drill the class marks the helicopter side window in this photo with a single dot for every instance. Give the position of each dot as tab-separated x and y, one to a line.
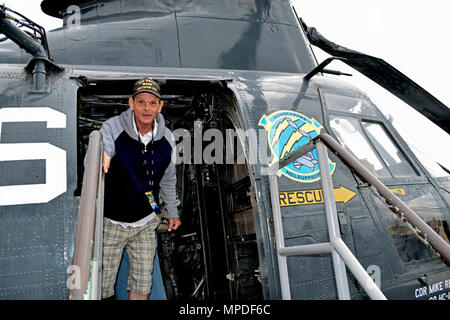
349	104
370	143
408	246
351	136
391	155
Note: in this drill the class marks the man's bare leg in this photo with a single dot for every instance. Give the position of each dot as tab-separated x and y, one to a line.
137	296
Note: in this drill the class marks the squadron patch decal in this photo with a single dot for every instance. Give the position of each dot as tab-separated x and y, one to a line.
287	131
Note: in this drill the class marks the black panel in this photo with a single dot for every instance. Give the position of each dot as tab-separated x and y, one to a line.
239	34
244	45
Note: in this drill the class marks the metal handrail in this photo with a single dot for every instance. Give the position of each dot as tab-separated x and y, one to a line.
87	251
336	246
422	230
340	253
333	227
96	274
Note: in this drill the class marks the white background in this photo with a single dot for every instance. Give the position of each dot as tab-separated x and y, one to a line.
411	35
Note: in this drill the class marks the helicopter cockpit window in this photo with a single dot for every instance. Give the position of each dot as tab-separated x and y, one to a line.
394	158
351	136
408	246
370	143
349	104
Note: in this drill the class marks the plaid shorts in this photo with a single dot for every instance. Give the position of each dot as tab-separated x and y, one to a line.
140	243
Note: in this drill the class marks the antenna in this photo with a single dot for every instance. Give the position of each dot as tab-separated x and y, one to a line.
320	68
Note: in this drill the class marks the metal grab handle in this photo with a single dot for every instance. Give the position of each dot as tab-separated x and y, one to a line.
282	263
332	222
86	225
358	271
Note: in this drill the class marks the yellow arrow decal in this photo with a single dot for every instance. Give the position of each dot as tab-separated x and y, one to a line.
399	191
302	197
343	194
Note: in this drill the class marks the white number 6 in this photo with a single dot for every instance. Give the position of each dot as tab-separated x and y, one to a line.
55	158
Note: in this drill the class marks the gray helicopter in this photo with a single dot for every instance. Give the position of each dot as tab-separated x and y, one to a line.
319	200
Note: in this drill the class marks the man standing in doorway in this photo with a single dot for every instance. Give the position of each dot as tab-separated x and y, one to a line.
139	159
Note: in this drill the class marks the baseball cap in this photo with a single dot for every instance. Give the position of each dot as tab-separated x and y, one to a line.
146	85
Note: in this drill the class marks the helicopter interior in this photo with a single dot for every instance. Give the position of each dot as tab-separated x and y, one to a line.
214	253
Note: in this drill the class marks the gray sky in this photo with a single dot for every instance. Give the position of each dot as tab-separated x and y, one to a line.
411	35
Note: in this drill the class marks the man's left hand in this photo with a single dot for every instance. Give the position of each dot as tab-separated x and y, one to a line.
174	223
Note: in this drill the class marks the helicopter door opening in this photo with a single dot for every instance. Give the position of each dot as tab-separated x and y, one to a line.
213	254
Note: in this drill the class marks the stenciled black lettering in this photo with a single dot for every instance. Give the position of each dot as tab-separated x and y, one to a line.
306	195
300	197
290	195
318	196
282	197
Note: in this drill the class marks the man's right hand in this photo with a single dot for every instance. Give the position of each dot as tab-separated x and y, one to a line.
106	161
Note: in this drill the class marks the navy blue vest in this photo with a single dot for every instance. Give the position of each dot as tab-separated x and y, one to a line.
130	177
